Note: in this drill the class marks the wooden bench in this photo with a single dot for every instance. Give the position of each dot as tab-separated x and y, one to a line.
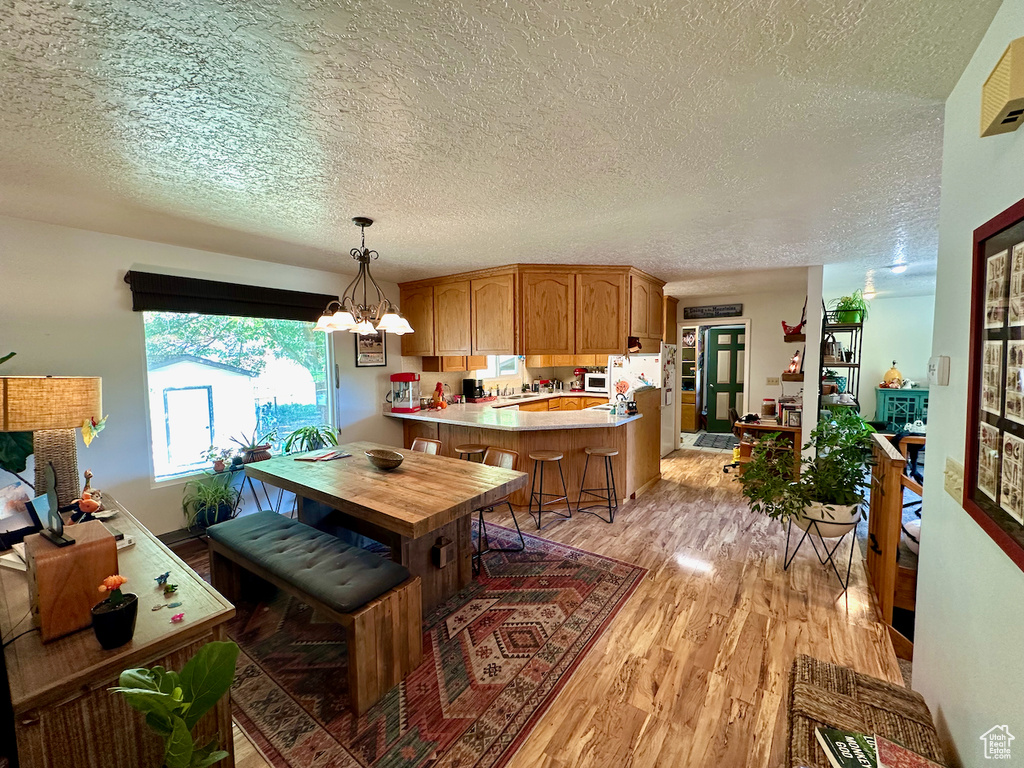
374	599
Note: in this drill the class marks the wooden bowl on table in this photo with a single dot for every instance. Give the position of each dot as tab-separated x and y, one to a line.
384	459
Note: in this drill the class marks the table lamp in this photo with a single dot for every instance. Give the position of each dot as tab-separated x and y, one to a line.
51	407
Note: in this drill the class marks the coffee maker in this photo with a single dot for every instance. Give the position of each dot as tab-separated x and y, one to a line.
578	375
472	390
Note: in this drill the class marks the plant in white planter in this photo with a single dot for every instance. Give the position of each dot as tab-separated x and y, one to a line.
825	500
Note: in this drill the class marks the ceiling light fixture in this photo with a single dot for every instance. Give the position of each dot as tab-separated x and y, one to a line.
898	269
359	310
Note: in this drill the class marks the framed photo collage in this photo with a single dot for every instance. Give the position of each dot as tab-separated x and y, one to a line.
994	480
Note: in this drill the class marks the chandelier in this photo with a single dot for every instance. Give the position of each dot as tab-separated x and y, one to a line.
363	308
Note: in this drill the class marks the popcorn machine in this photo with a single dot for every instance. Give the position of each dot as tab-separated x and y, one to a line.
405	392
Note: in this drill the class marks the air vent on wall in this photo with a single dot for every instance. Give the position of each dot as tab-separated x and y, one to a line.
1002	95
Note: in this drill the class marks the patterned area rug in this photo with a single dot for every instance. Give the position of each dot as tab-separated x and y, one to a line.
709	440
495	657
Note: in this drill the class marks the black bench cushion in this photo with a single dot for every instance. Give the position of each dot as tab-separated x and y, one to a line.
341	576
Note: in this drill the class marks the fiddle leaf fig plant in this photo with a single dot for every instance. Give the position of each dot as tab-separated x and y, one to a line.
174	702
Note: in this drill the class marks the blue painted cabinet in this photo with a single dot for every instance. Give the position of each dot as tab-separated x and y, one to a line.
897	407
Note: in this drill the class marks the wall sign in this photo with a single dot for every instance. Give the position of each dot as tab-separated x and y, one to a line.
712	311
993	492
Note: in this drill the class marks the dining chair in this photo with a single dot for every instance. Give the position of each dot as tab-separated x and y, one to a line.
497	457
425	445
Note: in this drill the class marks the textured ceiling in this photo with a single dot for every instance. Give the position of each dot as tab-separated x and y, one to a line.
689	138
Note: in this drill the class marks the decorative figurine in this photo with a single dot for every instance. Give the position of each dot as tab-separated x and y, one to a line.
170	589
177	618
162	579
173	605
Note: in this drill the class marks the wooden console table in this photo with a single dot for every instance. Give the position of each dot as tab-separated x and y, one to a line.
62	712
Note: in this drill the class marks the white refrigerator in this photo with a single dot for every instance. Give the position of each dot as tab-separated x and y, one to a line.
626	374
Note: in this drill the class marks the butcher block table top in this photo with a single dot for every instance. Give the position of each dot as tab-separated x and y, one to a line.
425	493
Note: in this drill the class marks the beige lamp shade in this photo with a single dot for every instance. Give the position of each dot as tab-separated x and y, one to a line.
32	403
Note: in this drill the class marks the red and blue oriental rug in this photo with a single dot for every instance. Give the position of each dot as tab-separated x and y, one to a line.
495	657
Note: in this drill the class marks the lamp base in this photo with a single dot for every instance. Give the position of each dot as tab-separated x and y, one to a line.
58	447
56	539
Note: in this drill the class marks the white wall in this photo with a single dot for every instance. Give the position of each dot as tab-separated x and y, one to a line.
969	649
65	309
897	329
769	353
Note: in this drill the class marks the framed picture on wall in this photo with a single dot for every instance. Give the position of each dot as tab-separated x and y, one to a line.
371	350
994	453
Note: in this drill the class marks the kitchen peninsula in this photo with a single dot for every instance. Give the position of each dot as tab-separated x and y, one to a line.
501	425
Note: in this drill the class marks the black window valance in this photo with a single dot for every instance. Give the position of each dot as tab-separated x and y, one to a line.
171	293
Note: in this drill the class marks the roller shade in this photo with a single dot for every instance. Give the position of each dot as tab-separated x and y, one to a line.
152	292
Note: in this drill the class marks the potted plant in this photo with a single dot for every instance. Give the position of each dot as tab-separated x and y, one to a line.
257	446
310	438
113	619
828	490
218	457
850	309
174	702
210	499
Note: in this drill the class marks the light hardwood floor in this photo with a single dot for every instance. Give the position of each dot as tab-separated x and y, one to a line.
693	671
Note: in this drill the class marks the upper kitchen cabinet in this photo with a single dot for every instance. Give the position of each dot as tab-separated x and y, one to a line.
656	313
494	316
417	304
639	306
600	312
452	319
548	311
670	332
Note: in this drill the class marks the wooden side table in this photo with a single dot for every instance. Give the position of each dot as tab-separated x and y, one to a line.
62	712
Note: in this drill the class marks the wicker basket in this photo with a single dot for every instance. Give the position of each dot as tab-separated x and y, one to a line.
823	694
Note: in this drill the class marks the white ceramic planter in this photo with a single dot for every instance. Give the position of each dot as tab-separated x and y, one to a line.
833	520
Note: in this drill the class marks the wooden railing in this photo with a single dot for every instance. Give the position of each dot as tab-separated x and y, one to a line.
894	585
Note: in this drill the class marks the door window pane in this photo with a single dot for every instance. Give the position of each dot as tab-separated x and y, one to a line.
214	378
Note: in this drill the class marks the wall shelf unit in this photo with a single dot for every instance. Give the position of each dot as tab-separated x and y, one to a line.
689	420
850	336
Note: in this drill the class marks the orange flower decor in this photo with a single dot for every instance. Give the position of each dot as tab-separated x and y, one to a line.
113	584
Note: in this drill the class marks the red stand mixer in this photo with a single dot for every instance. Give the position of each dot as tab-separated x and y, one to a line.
578	380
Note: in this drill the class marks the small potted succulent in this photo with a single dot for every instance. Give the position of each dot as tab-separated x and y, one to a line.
218	457
113	619
311	438
255	447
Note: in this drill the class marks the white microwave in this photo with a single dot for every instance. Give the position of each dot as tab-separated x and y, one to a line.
595	382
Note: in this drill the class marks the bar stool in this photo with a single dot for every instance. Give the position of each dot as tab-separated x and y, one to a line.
540	458
470	450
606	493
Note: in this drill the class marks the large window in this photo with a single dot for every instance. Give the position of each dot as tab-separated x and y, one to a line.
212	378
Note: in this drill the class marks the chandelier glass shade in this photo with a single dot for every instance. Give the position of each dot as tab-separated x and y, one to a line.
363	307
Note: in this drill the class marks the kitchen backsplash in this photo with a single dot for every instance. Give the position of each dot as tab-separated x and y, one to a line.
453	381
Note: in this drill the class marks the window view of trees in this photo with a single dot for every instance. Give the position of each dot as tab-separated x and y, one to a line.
212	378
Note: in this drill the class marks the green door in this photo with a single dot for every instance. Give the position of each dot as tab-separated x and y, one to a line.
725	351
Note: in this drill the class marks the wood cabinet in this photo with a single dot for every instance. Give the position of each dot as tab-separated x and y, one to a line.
600	313
576	316
590	402
548	312
492	303
452	319
655	314
417	304
538	406
670	331
639	306
454	363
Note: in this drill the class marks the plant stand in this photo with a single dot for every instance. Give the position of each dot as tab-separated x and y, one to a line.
827	556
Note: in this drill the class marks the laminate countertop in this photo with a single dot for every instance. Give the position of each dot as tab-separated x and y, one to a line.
497	415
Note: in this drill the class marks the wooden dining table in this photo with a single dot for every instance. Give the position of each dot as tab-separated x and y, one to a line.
422	509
